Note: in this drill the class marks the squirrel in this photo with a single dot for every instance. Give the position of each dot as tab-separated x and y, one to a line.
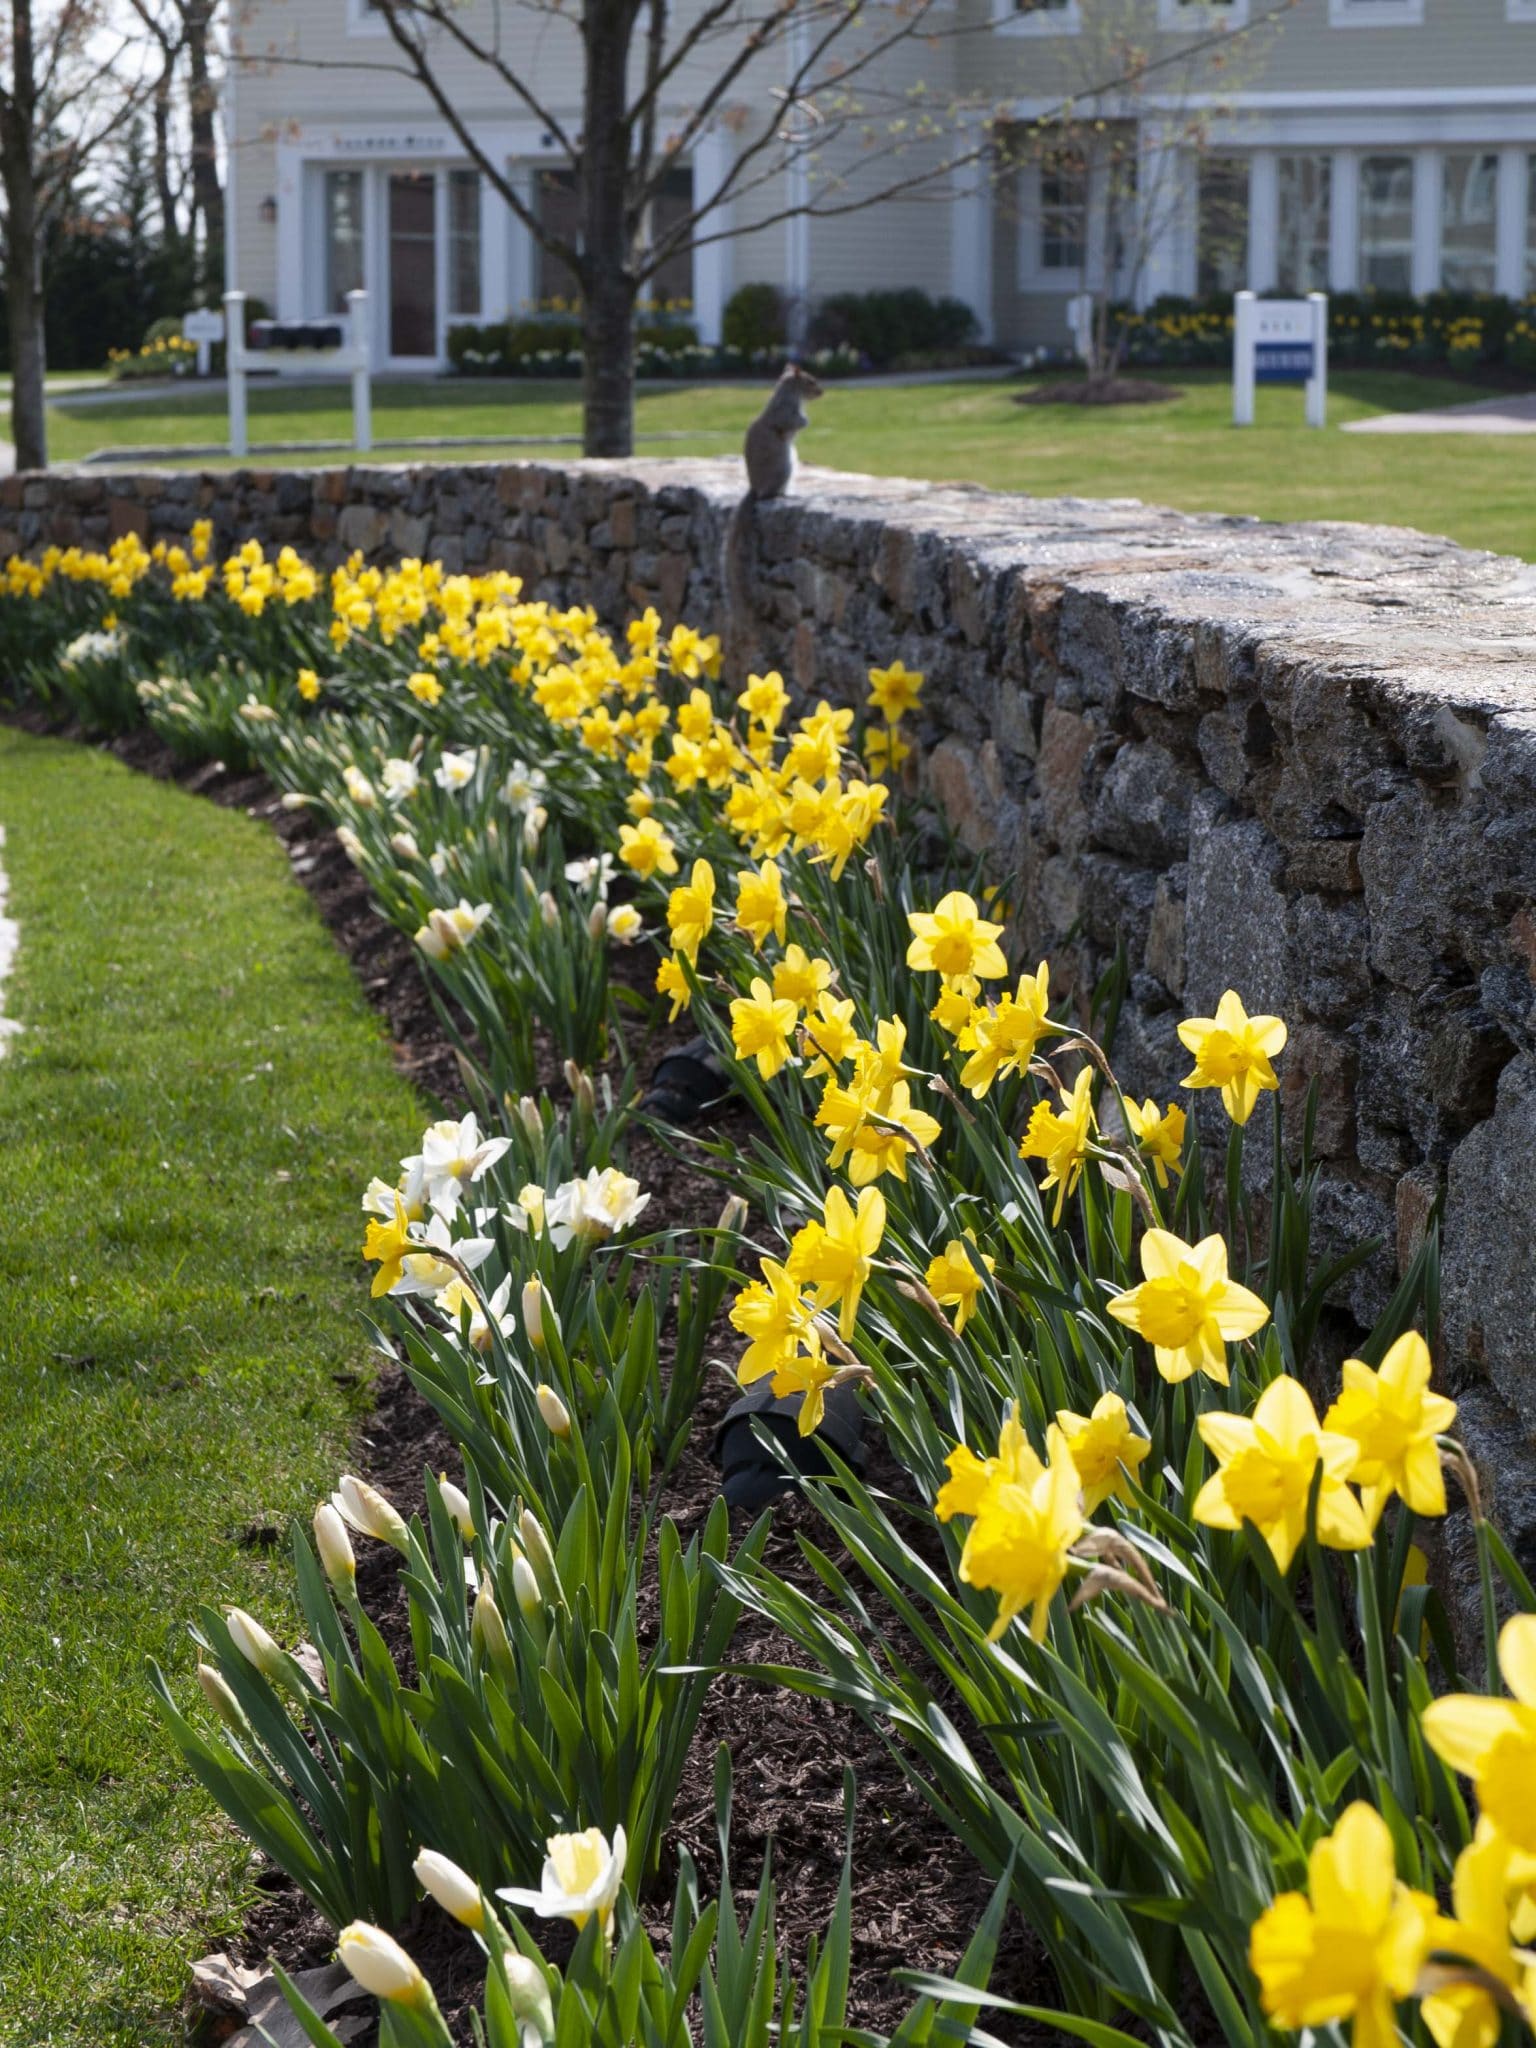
770	457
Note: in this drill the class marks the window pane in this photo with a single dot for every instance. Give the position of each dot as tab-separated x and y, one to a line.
1386	223
673	203
555	197
1468	213
1063	211
1222	246
413	263
343	237
464	243
1304	202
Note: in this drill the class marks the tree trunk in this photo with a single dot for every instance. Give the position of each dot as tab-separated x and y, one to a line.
165	197
202	97
607	255
23	252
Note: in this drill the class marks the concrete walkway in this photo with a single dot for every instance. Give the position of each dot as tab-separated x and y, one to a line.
1512	412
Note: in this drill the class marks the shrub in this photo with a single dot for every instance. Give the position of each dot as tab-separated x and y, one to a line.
756	318
883	325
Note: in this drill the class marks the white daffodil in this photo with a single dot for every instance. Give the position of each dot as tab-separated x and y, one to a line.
523	786
625	924
596	871
493	1314
424	1272
359	788
527	1212
454	771
594	1206
350	844
582	1875
401	778
448	931
411	1188
452	1156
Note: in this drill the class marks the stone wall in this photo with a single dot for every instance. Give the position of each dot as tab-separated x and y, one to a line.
1296	760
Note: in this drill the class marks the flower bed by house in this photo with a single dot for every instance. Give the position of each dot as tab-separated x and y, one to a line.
1463	331
1146	1623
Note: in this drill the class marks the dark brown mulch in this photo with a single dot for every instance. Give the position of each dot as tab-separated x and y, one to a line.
1106	391
917	1895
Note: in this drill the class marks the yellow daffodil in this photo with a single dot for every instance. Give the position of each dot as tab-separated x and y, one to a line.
1351	1946
1001	1039
1186	1307
1466	2015
390	1244
957	1001
1269	1463
424	687
873	1128
1394	1418
1233	1052
1105	1449
894	691
831	1031
647	849
1493	1741
762	1027
1160	1134
800	978
761	910
672	981
954	1280
765	699
954	938
1027	1515
1061	1138
691	910
308	684
833	1257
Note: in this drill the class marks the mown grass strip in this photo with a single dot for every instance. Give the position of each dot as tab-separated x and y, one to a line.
195	1098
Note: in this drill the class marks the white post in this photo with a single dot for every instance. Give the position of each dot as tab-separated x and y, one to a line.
1317	383
1244	313
362	388
234	348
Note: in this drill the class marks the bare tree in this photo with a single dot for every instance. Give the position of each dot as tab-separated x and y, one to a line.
68	82
183	97
1112	161
796	86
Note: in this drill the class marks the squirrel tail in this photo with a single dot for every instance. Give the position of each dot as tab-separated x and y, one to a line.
736	582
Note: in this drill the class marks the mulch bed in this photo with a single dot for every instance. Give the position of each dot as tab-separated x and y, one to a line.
917	1895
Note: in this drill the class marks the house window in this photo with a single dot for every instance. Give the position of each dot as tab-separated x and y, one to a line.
1303	205
412	263
464	244
673	203
1386	223
1375	13
1038	17
1194	17
343	237
1063	221
1222	234
559	211
1468	222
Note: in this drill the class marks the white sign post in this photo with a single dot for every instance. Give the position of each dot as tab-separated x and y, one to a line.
1280	341
205	327
348	359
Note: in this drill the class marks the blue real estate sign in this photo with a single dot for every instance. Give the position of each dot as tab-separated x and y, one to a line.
1282	362
1280	341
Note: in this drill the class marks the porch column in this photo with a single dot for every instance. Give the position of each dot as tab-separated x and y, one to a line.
1428	186
1344	221
1512	218
712	263
289	252
970	239
1263	221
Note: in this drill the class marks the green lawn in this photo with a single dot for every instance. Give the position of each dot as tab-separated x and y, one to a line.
195	1099
1186	453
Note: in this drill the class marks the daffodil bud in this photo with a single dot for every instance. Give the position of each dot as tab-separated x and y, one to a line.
528	1111
573	1075
492	832
549	910
255	1645
733	1215
537	1306
540	1556
364	1508
337	1559
219	1695
381	1965
525	1589
295	800
456	1501
488	1632
555	1414
597	921
534	821
528	1993
403	845
454	1889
